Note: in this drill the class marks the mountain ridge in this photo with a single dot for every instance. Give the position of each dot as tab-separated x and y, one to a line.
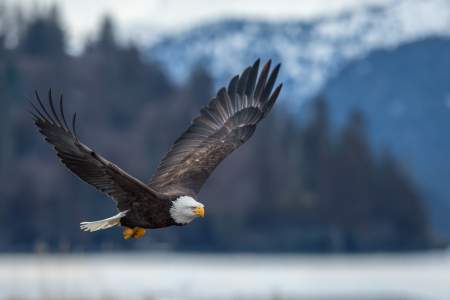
404	93
311	51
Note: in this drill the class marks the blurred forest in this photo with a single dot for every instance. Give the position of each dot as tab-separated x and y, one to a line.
292	187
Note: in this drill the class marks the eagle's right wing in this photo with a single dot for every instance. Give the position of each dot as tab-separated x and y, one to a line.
84	162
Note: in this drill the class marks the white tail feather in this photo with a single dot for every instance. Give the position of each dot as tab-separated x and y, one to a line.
103	224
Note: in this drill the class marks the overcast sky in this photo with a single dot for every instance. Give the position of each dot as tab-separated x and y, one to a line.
82	16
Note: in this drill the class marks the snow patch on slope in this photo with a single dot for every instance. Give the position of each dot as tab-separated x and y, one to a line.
310	52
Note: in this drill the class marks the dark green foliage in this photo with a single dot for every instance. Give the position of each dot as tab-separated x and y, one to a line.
288	189
44	36
107	39
369	203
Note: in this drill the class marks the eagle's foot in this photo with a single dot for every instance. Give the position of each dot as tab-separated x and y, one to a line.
127	233
138	232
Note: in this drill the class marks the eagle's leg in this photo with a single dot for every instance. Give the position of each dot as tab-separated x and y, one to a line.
127	232
138	232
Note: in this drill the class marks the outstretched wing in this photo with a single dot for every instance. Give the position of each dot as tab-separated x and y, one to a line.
227	122
84	162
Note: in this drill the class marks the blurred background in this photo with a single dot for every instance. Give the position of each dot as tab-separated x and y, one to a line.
343	193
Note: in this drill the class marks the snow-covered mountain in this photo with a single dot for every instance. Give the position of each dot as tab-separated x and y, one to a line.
311	52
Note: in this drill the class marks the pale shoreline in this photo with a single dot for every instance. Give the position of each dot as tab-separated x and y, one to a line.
222	276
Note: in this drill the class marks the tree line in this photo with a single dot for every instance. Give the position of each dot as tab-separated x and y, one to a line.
293	187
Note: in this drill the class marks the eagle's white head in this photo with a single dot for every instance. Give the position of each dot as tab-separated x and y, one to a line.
185	209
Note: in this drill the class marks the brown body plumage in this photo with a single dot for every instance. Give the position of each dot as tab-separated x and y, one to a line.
227	122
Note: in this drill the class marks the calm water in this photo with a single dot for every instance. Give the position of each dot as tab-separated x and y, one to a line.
205	276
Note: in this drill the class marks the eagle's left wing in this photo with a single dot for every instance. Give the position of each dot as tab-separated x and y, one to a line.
227	122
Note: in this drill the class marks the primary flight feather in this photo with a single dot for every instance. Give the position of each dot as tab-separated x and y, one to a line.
227	122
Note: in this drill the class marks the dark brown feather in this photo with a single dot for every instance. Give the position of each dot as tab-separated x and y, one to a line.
227	122
86	163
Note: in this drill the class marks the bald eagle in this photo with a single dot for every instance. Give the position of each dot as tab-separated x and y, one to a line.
170	198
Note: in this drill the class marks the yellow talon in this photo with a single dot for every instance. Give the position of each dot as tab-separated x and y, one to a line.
138	232
128	232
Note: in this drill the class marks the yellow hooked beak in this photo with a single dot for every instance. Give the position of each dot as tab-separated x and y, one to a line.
200	211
